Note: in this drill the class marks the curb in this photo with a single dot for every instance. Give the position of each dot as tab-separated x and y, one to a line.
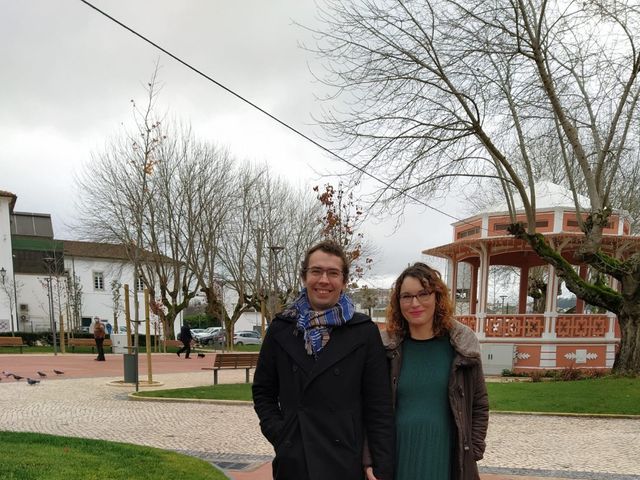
566	414
237	403
243	403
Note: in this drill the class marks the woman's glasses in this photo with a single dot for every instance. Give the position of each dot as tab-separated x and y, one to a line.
422	297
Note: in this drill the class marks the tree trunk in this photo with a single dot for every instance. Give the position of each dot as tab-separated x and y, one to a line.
628	358
168	320
626	305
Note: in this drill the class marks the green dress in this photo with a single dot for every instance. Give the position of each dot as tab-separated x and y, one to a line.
423	416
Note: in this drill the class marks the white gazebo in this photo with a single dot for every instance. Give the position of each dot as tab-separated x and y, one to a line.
535	341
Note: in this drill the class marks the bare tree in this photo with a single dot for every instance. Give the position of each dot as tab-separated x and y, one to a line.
116	303
74	301
210	185
129	195
441	90
10	292
264	240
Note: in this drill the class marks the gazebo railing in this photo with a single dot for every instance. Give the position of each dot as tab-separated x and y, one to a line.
527	325
468	320
533	325
582	325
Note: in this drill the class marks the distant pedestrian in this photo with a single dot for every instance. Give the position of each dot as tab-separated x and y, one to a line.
98	335
185	338
109	328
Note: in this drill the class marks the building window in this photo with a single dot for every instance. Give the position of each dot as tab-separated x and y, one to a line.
98	281
504	226
140	284
469	232
574	223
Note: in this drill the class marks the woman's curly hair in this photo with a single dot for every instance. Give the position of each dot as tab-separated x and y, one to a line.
431	280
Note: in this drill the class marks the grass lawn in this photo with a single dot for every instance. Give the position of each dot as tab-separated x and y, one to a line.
247	348
33	456
601	395
233	391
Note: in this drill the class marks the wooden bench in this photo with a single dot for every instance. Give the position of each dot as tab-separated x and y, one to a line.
12	342
231	360
173	343
86	342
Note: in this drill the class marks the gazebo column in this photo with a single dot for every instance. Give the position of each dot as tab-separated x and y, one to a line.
582	271
453	280
484	289
473	305
524	287
548	351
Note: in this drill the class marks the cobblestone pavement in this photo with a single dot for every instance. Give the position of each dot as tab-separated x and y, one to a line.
550	446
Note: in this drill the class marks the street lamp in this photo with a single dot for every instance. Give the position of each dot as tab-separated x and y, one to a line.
273	282
503	297
48	262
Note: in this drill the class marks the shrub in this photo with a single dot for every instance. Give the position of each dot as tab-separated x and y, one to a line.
569	374
536	375
594	373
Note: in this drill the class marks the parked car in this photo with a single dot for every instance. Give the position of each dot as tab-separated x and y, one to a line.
204	337
247	337
218	337
196	331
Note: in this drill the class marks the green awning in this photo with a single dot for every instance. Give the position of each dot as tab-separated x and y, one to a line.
38	244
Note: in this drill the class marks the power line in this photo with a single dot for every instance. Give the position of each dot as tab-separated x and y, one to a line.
273	117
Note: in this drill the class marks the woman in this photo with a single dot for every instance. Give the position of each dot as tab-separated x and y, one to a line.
440	397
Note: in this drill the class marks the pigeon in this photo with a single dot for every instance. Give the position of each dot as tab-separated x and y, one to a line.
42	374
201	355
7	374
17	377
58	372
31	381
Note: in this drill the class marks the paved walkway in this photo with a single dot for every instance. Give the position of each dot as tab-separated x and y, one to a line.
519	446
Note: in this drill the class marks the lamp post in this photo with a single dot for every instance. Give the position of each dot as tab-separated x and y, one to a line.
3	274
48	262
503	297
273	283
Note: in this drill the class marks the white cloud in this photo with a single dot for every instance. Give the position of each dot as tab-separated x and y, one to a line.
69	74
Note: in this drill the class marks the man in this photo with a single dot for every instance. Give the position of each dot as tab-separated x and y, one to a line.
185	338
98	335
321	384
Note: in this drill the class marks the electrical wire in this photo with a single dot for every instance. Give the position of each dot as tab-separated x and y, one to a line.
274	118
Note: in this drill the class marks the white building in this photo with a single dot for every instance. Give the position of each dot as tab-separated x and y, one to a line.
36	268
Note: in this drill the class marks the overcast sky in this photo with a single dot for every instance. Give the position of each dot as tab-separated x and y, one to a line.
69	74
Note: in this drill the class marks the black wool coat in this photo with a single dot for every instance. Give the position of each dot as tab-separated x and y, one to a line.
315	412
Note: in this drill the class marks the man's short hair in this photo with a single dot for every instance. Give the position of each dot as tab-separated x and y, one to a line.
332	248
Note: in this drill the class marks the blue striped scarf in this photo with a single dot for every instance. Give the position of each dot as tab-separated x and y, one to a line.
317	326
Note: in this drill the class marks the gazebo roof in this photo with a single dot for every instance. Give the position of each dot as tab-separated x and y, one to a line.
548	196
570	241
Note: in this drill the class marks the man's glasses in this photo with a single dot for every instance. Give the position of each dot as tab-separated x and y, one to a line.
423	297
332	273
